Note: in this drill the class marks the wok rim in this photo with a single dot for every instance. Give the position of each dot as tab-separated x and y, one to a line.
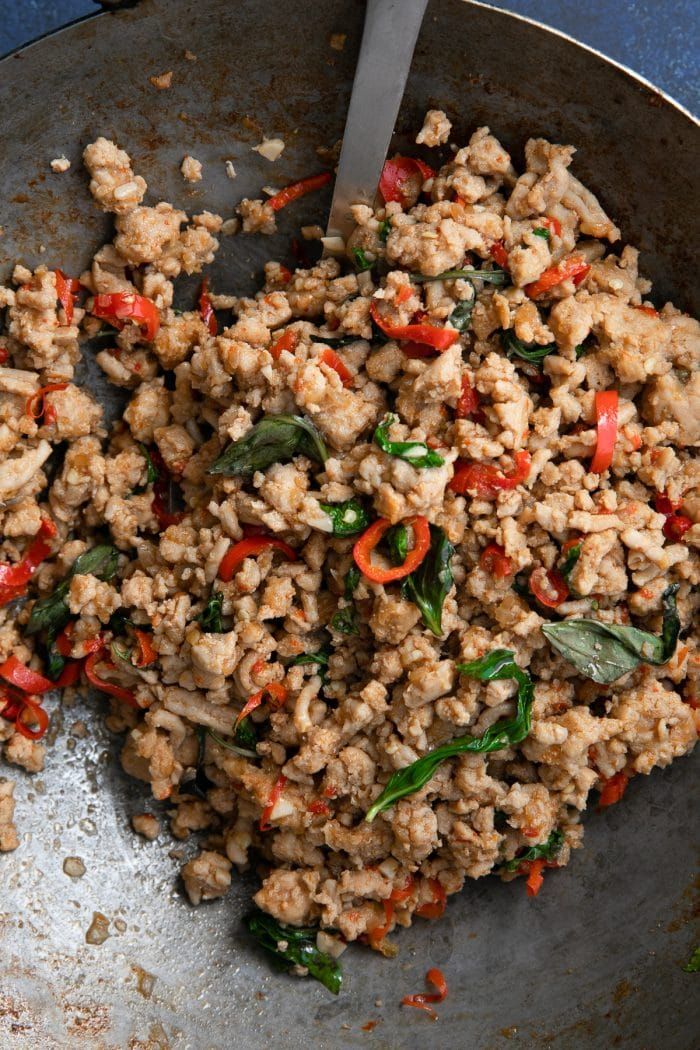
516	16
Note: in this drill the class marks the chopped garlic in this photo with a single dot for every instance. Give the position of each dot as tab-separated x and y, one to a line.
270	149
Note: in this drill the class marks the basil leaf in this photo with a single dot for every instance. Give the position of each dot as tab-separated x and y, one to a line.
384	230
544	851
351	581
295	946
362	263
236	748
119	621
275	439
320	659
515	347
461	316
210	617
496	665
606	651
345	620
200	783
397	541
583	348
430	584
570	561
53	661
540	231
693	963
348	517
490	276
151	471
245	736
416	453
52	613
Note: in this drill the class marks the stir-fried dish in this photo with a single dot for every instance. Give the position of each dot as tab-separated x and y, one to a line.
386	573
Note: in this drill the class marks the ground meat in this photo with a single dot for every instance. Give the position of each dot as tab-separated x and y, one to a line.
436	129
207	876
112	182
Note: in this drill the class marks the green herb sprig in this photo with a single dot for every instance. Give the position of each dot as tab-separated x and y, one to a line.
274	439
544	851
416	453
348	517
292	946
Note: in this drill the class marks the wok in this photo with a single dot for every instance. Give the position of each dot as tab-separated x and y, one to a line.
596	959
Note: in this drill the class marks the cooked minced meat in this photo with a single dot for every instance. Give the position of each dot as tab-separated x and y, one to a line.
350	529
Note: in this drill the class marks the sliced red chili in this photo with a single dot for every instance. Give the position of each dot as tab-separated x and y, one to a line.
330	358
399	179
495	561
36	404
14	578
319	807
23	677
435	908
486	480
298	189
248	548
423	999
275	794
468	402
66	290
37	715
206	309
612	789
498	253
430	335
147	654
276	692
535	878
548	586
362	551
574	268
287	341
119	307
117	691
606	406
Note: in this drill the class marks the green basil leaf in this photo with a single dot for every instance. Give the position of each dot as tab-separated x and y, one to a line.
53	661
570	561
351	581
461	316
230	746
295	946
151	471
540	231
348	517
345	620
384	230
531	352
416	453
583	348
275	439
605	651
396	540
544	851
200	783
210	617
430	584
490	276
498	664
52	613
693	964
361	261
245	736
320	659
119	621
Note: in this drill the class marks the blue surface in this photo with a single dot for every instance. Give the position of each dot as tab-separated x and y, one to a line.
658	38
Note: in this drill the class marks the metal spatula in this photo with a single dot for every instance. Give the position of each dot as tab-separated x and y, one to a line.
388	40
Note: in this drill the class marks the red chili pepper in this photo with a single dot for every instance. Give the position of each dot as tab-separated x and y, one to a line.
435	908
163	493
495	561
320	808
206	310
248	548
38	716
285	274
119	307
403	295
35	406
574	268
423	999
612	789
377	934
404	892
553	224
22	677
663	504
486	480
287	341
147	654
330	358
548	586
647	310
277	790
439	338
535	878
66	290
14	578
675	527
417	351
4	355
362	551
606	404
69	675
276	692
396	173
117	691
498	253
468	402
298	189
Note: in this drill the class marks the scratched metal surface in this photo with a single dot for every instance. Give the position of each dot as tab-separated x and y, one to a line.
595	960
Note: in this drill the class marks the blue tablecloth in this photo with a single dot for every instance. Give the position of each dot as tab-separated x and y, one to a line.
658	38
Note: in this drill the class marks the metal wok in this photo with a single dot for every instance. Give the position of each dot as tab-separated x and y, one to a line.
596	960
